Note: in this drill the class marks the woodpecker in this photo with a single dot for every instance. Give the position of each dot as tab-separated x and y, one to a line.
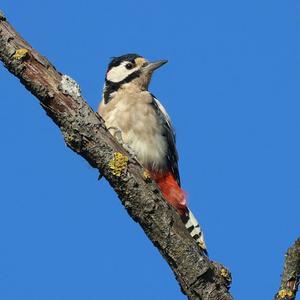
128	108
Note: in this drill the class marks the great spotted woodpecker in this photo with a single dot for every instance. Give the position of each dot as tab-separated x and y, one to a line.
129	108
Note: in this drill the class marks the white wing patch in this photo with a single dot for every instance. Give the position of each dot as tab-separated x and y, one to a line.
163	110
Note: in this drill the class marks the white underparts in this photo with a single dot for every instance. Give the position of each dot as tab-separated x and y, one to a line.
141	131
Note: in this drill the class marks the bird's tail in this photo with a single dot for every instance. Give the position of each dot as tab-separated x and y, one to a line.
176	196
193	227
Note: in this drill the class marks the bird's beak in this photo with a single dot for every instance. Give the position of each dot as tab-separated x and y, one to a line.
149	68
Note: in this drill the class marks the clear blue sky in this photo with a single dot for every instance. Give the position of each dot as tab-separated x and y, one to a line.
232	89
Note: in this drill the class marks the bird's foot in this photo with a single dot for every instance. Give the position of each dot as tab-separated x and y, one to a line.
117	133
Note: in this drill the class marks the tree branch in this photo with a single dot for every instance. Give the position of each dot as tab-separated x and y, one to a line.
291	272
86	134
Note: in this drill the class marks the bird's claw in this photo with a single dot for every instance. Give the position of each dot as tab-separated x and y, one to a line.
117	133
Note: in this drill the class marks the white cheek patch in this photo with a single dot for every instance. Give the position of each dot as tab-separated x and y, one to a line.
119	73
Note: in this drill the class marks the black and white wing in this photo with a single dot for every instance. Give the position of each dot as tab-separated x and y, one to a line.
172	155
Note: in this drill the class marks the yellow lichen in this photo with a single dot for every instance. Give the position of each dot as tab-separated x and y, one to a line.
285	293
118	163
146	175
20	54
225	273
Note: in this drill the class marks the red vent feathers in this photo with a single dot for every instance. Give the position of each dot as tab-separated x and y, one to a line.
171	190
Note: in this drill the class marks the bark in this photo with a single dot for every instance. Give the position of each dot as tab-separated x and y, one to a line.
85	133
291	272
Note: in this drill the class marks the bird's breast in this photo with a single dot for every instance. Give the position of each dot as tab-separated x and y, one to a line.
141	130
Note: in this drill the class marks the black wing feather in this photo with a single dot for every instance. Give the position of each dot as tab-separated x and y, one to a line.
169	132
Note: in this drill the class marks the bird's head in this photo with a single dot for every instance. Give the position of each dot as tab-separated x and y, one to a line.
131	69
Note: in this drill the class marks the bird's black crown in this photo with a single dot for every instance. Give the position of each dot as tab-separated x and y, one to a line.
126	57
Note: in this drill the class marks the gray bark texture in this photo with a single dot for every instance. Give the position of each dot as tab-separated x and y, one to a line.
291	272
85	133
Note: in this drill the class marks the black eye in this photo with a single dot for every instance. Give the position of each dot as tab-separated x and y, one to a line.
129	66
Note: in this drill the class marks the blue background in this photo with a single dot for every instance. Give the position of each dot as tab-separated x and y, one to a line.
232	89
